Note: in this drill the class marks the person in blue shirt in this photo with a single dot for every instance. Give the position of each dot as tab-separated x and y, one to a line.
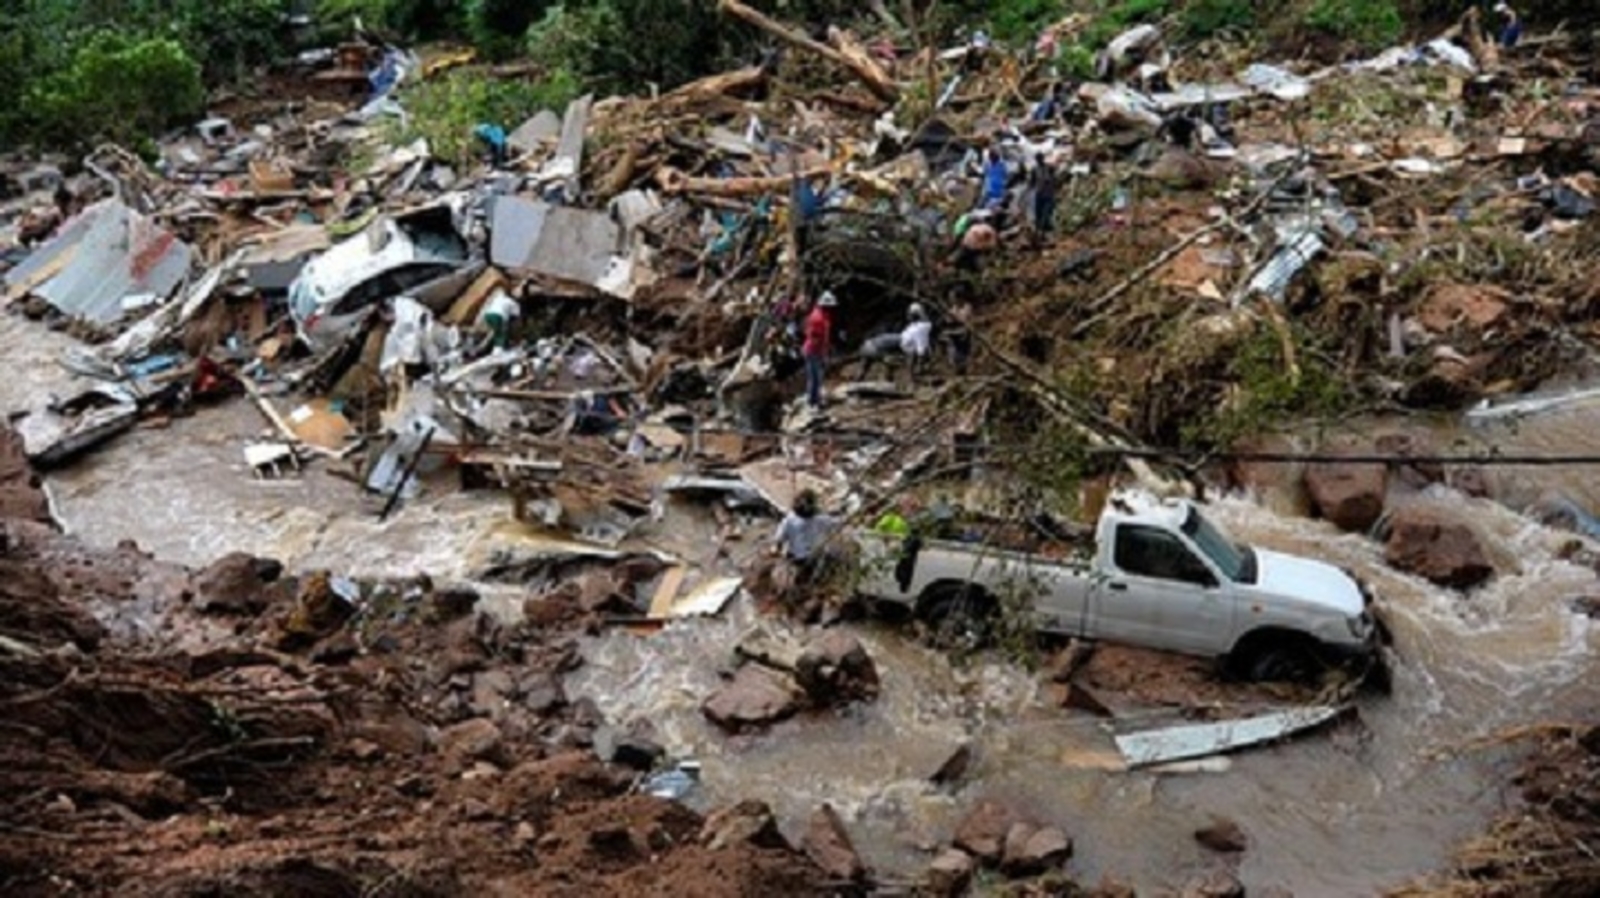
994	179
1511	29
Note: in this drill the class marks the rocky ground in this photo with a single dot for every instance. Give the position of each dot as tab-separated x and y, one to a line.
261	739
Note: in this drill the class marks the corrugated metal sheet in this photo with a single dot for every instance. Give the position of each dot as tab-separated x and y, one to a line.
105	254
1180	743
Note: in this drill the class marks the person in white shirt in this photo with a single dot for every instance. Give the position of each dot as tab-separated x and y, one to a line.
914	342
497	315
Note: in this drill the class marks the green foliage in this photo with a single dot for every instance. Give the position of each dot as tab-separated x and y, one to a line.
117	88
444	110
497	27
1369	24
1268	393
1204	18
600	42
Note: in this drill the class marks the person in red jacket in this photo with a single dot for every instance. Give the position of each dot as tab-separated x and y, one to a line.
818	332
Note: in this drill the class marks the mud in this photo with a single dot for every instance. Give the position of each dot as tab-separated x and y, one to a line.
268	746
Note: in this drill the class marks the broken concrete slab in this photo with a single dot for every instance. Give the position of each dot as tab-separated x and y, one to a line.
534	133
555	241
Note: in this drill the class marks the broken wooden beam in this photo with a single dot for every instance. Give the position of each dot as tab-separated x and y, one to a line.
866	71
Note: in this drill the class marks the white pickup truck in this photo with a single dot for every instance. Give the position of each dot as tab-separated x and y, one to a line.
1158	574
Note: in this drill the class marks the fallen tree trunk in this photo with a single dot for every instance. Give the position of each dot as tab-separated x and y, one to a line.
713	86
674	181
865	70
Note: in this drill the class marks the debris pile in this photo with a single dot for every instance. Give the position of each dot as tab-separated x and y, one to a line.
685	315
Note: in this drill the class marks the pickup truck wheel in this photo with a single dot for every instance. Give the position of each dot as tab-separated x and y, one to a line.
957	616
1283	663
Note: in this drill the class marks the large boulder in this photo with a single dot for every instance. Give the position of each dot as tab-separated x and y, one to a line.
1432	543
1031	850
21	490
828	845
755	697
236	583
746	823
835	669
982	833
1349	494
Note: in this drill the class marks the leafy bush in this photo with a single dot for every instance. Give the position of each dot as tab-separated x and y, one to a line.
604	43
1203	18
1370	24
446	109
117	88
497	27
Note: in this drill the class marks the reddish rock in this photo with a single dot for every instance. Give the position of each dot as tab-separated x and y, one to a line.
1222	835
982	833
1431	543
237	583
1031	850
746	823
950	873
835	669
477	739
1347	494
21	490
754	697
828	845
1416	475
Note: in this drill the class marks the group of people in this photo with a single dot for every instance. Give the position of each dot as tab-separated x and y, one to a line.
813	326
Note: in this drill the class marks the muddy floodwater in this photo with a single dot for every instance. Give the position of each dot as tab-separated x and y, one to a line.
1365	805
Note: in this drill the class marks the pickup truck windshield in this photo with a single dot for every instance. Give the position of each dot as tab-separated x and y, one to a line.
1225	555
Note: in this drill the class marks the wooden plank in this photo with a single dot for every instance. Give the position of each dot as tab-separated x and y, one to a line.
667	592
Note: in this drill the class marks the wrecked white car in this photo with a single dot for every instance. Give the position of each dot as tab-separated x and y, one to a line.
1157	574
420	254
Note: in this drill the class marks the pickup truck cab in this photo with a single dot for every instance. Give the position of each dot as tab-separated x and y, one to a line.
1157	574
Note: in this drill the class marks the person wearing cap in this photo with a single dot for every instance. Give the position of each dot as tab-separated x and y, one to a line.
1511	27
818	337
914	342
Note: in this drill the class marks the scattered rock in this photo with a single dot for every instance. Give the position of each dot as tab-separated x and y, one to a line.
1223	835
828	845
950	873
634	747
451	602
236	583
835	669
1416	475
1031	850
1432	543
982	833
746	823
754	697
954	767
477	739
1348	495
1213	884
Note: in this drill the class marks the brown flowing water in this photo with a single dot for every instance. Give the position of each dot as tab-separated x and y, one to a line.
1364	806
